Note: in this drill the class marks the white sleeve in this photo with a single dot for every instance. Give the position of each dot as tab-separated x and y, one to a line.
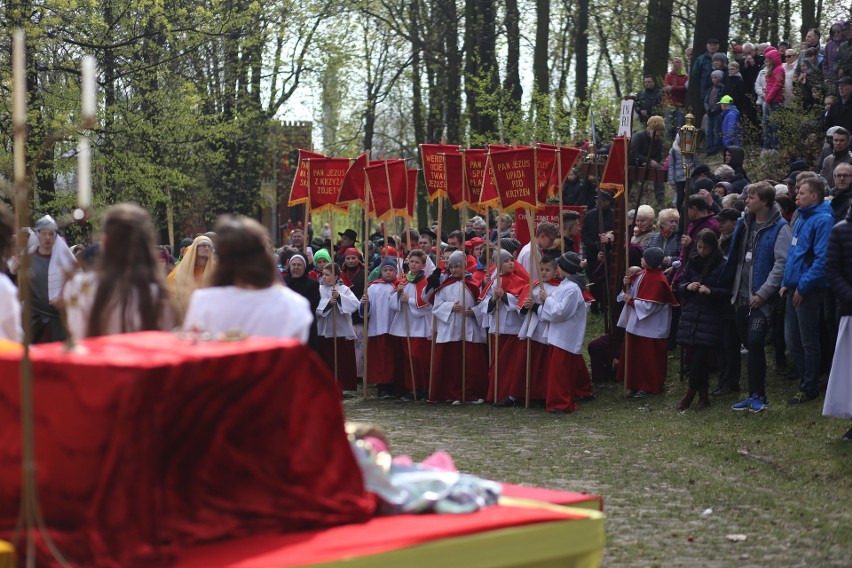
646	309
349	303
559	308
442	309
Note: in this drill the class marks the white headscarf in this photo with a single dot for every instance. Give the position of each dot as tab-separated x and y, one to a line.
62	264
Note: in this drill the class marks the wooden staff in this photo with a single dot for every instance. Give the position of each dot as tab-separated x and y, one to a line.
559	191
534	258
404	311
366	277
488	256
334	307
307	214
497	267
438	253
464	339
626	250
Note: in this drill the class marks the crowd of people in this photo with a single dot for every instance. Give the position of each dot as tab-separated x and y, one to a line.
742	90
474	315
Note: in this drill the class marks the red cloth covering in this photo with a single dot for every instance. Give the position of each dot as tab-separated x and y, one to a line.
346	369
512	369
447	371
381	534
648	362
416	352
147	443
655	288
565	372
539	356
566	498
513	282
384	359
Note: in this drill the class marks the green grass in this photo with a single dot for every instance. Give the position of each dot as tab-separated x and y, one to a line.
783	477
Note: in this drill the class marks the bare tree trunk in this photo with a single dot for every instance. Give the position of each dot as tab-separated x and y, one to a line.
808	18
712	19
453	72
657	37
581	48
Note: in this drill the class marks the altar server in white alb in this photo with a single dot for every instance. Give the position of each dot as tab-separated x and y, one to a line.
453	304
334	326
498	309
383	349
564	310
412	324
646	318
535	329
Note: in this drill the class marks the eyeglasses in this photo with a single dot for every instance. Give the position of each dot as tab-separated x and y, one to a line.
842	175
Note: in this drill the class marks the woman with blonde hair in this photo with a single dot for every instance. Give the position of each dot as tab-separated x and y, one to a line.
126	292
646	150
643	226
194	271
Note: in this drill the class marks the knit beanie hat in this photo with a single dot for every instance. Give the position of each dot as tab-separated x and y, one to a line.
511	245
457	258
504	256
653	256
569	262
391	262
322	254
718	73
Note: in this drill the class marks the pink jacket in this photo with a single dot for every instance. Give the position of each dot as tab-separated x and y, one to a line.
774	78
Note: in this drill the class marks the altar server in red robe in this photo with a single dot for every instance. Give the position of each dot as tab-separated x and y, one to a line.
383	359
334	325
564	312
498	310
452	302
412	324
535	329
646	317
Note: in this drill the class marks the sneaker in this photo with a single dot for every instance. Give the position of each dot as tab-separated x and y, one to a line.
722	391
407	397
477	401
631	393
744	404
457	403
758	404
800	397
640	394
508	402
847	437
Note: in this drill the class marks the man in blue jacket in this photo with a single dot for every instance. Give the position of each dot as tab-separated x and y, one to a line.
804	284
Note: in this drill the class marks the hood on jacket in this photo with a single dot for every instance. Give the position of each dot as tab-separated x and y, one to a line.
773	55
737	156
824	208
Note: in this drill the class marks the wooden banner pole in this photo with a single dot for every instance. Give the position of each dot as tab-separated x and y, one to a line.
366	278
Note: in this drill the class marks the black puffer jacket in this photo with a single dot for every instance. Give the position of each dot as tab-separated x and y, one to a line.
701	314
737	158
838	264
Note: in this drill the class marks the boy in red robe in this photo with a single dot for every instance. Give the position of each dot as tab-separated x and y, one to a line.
646	317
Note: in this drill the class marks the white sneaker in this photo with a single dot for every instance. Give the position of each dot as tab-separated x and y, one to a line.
457	403
478	401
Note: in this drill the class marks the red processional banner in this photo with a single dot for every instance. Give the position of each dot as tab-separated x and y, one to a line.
299	189
615	169
567	157
433	168
545	161
388	187
549	214
352	188
411	191
325	177
488	196
515	177
474	161
456	194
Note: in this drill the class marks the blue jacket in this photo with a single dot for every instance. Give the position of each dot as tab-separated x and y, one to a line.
805	268
732	130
